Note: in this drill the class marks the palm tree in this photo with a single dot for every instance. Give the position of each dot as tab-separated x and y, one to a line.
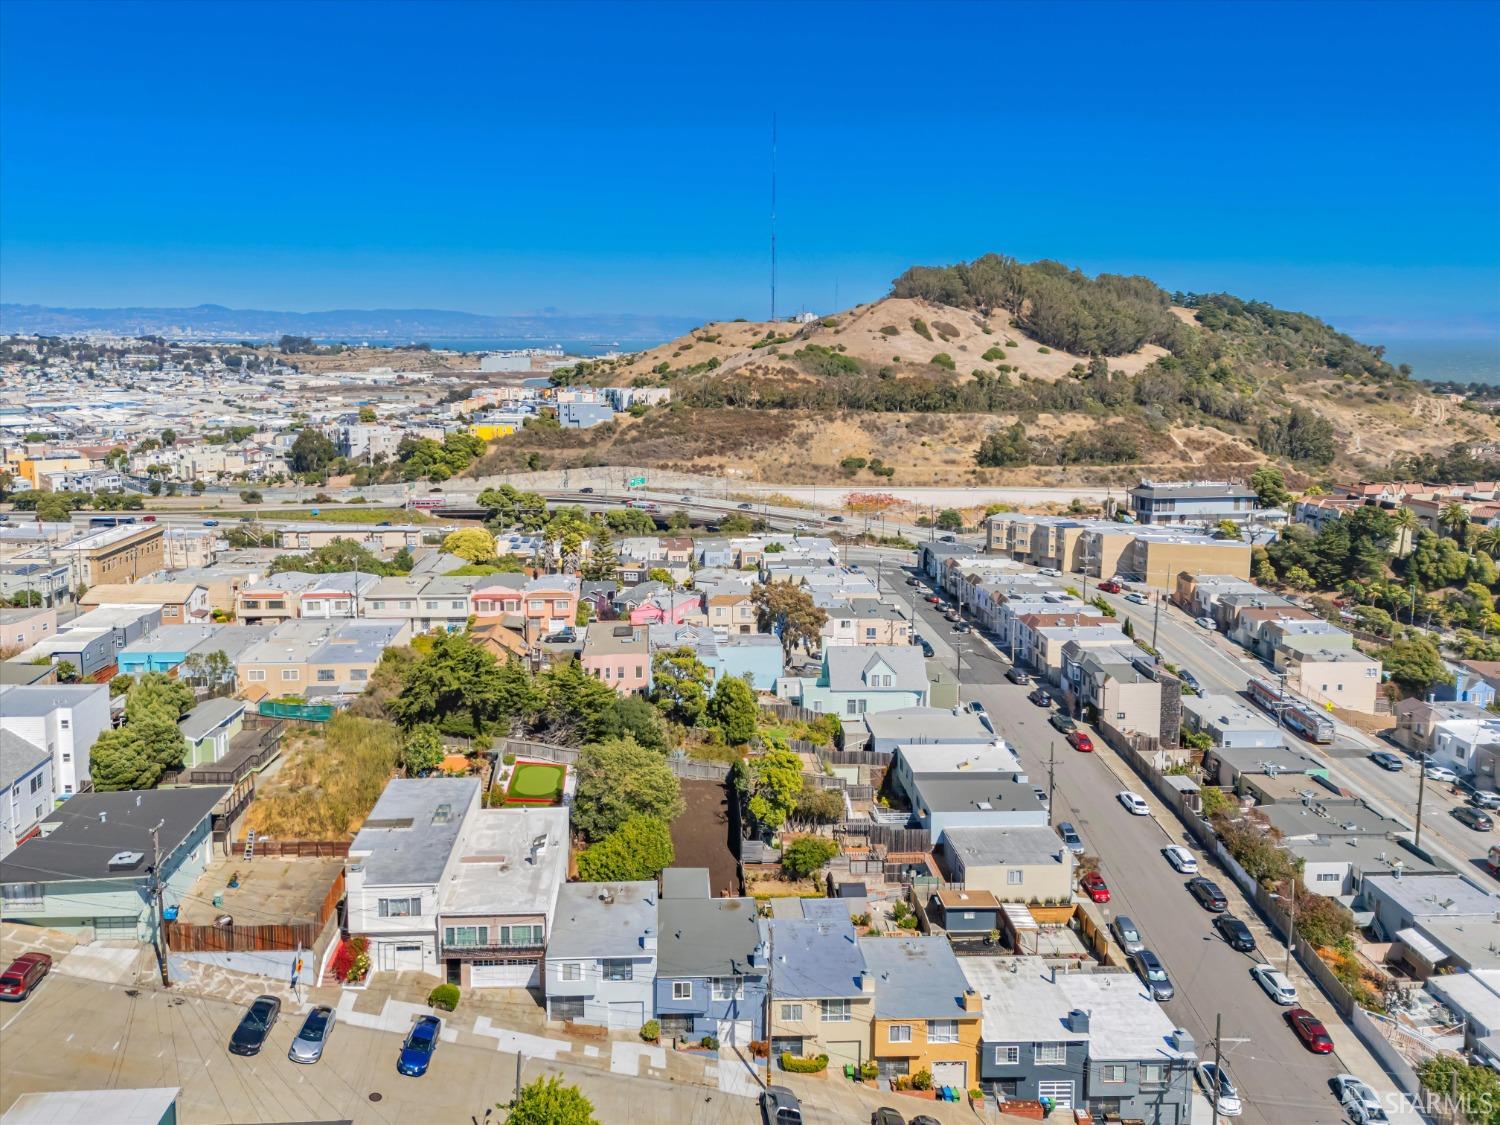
1488	541
1454	518
1406	524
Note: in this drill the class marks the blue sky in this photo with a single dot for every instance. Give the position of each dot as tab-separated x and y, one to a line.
1341	158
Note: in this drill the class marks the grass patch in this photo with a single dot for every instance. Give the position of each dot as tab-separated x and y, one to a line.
535	783
329	781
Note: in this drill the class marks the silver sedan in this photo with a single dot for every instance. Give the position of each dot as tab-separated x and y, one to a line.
316	1028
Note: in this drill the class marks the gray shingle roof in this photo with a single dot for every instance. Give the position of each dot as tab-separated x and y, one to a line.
915	978
815	959
708	937
408	836
18	757
202	719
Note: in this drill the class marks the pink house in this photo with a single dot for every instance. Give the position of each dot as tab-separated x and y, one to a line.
676	608
499	597
549	603
618	654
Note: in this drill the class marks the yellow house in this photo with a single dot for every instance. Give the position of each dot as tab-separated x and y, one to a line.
489	431
37	469
926	1015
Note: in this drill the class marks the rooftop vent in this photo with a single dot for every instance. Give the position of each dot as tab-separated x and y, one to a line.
124	861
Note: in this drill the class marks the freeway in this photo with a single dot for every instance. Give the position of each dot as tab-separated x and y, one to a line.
1282	1082
1222	666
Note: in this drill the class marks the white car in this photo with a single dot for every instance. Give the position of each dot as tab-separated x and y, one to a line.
1051	572
1439	773
1180	858
1276	986
1134	804
1215	1082
1137	598
1207	623
1362	1103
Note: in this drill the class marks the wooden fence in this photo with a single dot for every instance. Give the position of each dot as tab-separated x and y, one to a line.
302	849
186	938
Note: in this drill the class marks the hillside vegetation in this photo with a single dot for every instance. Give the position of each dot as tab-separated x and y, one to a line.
1041	372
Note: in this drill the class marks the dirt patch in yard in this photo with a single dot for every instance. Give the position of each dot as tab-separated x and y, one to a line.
701	835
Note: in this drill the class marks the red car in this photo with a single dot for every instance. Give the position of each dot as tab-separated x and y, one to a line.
1095	887
933	599
1110	586
24	974
1080	742
1310	1030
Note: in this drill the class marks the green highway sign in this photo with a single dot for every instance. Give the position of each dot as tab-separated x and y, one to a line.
636	482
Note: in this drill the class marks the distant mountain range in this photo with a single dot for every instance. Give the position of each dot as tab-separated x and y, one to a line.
393	326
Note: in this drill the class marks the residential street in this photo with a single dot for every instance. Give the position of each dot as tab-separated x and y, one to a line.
1281	1081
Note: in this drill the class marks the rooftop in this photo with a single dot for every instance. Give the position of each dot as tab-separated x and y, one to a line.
1435	896
812	959
1023	1003
709	937
988	792
947	758
915	978
1225	712
1330	816
513	862
203	719
407	838
1028	844
913	725
81	836
603	919
18	757
43	699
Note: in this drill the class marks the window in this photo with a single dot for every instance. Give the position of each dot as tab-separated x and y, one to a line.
1007	1056
36	783
570	970
942	1031
256	675
619	969
1112	1073
67	757
64	723
359	674
1153	1074
21	896
894	1068
1327	877
682	990
968	916
325	675
566	1007
899	1033
465	937
834	1011
290	674
430	604
791	1013
399	907
728	988
276	605
1015	878
1050	1054
407	603
520	935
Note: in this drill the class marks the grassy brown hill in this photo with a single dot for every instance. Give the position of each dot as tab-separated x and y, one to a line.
1003	372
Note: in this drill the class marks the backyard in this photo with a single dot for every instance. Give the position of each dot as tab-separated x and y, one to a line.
700	836
535	783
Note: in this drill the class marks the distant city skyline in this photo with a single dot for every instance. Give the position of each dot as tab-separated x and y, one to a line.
504	159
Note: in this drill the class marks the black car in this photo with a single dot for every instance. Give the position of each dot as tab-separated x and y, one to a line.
1153	974
913	581
1387	761
1235	932
1190	681
1473	818
835	519
1040	697
746	507
250	1036
587	491
1062	723
1207	892
925	645
1016	676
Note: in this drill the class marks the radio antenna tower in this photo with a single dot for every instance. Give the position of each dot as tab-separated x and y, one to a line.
773	216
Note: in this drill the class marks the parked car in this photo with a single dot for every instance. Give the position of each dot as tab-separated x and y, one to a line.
926	647
1235	932
250	1036
1473	818
1061	722
1309	1028
746	507
1275	984
1387	761
1110	586
1016	676
1138	598
144	519
835	519
1485	799
1439	773
779	1106
976	708
933	599
1051	572
587	490
1361	1102
885	1115
1207	892
1080	741
416	1050
1126	934
1207	622
947	539
1153	974
1070	837
1216	1084
1095	887
1040	697
913	581
1041	795
316	1028
962	627
23	975
1190	681
1180	858
1134	803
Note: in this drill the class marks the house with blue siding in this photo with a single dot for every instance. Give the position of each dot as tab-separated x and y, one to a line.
858	679
164	649
711	962
754	657
88	871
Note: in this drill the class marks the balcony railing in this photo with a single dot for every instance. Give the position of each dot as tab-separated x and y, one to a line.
493	952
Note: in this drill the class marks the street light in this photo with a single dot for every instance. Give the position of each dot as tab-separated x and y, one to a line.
1291	931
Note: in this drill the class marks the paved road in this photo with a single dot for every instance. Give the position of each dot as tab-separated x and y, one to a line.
1222	666
1280	1079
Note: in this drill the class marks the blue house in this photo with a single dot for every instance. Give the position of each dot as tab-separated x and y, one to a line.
164	649
711	962
1469	684
753	656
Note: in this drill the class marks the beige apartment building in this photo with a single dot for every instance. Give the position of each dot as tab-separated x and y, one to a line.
182	603
1015	864
126	553
1346	679
308	536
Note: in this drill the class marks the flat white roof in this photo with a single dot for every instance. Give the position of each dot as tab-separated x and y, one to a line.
498	872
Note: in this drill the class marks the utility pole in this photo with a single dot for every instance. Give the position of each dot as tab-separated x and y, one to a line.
1291	932
1155	622
160	928
1213	1095
1421	794
1051	778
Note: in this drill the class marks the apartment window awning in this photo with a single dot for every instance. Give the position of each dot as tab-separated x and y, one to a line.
1421	947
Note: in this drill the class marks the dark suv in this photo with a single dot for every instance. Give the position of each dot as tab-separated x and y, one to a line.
1017	676
1235	932
1207	892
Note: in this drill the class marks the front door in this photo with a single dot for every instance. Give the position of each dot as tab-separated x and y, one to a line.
455	971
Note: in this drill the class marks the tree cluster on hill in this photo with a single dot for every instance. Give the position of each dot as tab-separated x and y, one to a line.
135	755
334	557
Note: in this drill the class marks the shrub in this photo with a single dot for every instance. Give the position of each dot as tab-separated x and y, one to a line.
359	959
869	1070
709	1043
890	330
976	1094
509	759
1009	343
760	1048
943	359
1044	350
444	996
651	1031
993	354
795	1065
806	855
919	326
922	1080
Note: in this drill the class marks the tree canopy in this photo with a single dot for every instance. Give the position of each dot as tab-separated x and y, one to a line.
641	848
788	611
619	779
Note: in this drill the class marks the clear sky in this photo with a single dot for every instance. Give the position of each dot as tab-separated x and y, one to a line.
1337	158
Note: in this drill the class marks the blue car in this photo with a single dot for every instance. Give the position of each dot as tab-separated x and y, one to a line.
421	1041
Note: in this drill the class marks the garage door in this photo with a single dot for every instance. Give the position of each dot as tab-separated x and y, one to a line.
496	974
950	1074
844	1054
1060	1092
735	1033
401	956
627	1015
114	929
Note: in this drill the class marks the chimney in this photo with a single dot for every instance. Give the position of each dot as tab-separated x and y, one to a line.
971	1000
866	981
1078	1021
1182	1040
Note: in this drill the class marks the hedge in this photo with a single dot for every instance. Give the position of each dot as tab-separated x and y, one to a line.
795	1065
